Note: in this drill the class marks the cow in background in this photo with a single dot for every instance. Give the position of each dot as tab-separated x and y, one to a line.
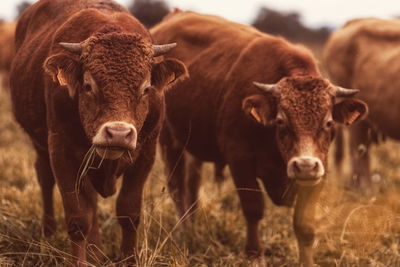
7	51
259	104
88	89
365	54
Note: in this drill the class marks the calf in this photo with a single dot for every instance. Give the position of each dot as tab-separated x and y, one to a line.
259	104
87	89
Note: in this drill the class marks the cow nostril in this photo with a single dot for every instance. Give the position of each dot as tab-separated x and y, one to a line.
129	135
109	134
296	166
316	166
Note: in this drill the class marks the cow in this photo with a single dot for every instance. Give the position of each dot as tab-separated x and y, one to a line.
7	51
258	104
364	53
87	85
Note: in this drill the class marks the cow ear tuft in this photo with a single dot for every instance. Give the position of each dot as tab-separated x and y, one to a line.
64	70
167	73
260	109
349	111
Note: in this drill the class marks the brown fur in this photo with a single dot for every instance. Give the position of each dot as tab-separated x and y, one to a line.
7	50
211	117
364	54
54	103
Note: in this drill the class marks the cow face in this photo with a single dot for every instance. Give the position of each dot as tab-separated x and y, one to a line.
304	112
115	79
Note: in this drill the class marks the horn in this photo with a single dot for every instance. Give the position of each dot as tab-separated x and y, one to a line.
268	88
344	92
162	49
72	47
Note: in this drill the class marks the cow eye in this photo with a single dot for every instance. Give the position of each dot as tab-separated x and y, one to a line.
279	122
146	91
87	87
329	124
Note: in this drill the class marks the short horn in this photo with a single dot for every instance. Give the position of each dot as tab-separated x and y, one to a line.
268	88
72	47
344	92
160	50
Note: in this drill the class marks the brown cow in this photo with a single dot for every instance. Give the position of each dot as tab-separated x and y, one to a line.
84	82
7	51
365	54
257	103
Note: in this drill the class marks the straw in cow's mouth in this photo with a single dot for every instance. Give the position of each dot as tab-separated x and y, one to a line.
86	165
115	148
88	160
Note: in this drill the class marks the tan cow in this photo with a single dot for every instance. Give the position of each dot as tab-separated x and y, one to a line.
365	54
87	89
259	104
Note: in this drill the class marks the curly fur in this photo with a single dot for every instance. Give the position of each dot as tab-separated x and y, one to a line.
305	101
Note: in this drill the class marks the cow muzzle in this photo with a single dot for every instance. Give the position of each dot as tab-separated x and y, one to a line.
306	170
113	139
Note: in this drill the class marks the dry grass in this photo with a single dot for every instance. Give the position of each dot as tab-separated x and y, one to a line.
352	230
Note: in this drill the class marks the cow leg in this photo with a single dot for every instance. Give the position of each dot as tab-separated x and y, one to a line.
79	214
82	225
79	206
192	180
174	159
129	200
252	202
304	222
94	244
46	182
359	148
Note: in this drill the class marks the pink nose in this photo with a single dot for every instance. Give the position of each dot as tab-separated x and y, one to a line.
305	168
116	134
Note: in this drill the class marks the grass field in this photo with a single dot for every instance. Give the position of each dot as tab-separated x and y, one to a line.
353	230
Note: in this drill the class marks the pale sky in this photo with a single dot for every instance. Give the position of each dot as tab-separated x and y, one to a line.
314	13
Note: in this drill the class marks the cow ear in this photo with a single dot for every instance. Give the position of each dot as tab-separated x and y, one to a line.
349	111
64	70
167	73
260	109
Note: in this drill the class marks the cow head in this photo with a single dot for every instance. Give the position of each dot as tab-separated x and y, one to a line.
304	110
116	80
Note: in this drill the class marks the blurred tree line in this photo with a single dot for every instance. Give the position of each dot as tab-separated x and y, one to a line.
149	12
21	7
288	25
